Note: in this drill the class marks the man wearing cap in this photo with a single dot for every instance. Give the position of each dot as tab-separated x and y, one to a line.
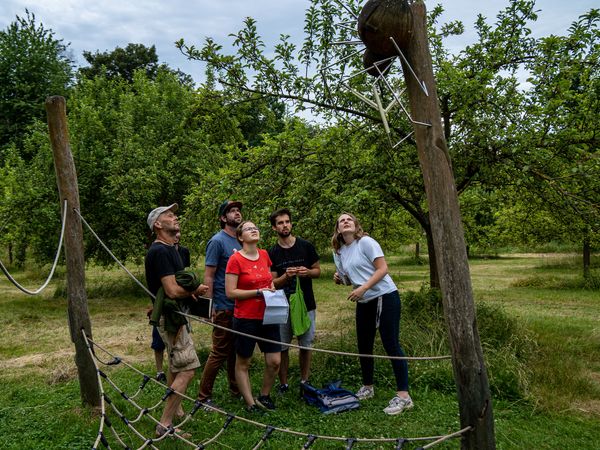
218	250
162	262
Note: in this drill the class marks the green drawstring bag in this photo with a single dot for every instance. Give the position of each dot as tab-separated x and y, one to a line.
298	314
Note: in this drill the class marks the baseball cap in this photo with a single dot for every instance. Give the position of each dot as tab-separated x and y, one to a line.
153	216
227	205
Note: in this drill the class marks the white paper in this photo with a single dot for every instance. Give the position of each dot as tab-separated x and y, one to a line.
277	309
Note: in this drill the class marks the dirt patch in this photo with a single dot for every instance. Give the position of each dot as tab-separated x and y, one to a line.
34	360
589	407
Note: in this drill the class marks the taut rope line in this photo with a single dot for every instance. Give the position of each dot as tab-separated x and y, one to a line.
206	322
314	349
54	264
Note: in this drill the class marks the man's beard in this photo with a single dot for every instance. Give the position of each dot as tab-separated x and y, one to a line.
233	222
284	234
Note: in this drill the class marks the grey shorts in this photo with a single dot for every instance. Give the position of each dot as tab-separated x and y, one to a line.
306	339
182	353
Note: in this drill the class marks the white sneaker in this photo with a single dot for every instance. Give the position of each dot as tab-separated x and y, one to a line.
365	392
398	404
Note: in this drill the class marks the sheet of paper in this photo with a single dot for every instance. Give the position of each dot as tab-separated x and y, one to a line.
277	309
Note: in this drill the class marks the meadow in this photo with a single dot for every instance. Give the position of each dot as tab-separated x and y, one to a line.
538	319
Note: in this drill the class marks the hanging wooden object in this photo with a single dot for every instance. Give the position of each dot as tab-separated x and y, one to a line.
381	19
370	60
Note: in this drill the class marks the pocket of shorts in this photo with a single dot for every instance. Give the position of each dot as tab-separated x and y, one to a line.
183	353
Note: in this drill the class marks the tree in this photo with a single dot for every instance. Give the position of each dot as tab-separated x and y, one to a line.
33	65
124	62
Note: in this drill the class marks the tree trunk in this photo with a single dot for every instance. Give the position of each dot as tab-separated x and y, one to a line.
79	318
434	276
10	253
470	373
417	251
587	256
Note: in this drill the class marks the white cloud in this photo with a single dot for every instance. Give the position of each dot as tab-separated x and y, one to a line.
92	25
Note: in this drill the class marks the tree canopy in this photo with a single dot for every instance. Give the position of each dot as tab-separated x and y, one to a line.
33	65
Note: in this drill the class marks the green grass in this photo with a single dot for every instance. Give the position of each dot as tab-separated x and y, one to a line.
539	324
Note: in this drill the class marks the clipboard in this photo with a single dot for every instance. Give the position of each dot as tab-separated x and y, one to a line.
201	307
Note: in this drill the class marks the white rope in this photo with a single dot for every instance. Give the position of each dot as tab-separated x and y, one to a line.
322	350
140	284
43	286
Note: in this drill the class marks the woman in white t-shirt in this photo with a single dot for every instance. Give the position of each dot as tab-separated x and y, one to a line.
360	262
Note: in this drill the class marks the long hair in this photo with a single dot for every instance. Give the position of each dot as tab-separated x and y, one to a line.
337	239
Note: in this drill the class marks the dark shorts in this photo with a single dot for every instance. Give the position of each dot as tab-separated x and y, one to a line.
244	345
157	342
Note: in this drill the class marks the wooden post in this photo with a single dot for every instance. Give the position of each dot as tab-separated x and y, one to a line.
78	314
450	251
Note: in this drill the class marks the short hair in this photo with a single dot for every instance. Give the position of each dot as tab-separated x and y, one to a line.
280	212
240	229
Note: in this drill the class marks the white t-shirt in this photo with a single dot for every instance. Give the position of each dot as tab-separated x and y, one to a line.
356	262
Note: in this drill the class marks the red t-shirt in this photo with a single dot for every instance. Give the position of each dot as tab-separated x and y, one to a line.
251	275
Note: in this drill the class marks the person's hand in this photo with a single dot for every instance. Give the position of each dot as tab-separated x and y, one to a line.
302	271
149	312
357	294
270	289
291	271
201	290
336	278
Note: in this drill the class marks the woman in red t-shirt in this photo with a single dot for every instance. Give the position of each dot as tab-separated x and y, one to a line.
247	275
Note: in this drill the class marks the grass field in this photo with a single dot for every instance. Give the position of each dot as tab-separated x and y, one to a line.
556	406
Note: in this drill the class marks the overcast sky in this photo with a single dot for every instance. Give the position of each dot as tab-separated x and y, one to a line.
93	25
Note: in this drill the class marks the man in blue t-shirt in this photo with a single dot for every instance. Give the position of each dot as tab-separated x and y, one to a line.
294	257
218	250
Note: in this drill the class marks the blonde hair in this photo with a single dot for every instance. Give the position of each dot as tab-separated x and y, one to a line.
337	240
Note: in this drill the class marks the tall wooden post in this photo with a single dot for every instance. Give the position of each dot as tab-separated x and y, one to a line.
455	281
66	178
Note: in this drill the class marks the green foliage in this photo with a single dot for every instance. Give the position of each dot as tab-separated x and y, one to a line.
33	65
124	62
508	346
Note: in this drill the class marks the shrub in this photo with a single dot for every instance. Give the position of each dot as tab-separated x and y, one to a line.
506	343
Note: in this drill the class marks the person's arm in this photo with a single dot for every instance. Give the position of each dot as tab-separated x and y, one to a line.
313	272
381	270
281	281
232	291
209	279
173	290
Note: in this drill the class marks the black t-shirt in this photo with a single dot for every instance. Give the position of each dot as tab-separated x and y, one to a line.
184	252
161	260
302	253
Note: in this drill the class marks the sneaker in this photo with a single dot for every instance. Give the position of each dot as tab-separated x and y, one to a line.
264	401
365	392
398	404
283	388
160	376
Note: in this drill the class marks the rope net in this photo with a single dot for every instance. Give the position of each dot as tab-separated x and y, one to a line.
142	416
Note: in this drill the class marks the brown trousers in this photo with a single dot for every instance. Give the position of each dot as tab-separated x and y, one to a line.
223	351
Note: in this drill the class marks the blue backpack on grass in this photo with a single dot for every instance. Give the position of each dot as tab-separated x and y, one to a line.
331	399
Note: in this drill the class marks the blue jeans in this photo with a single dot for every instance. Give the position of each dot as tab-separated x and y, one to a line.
389	330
